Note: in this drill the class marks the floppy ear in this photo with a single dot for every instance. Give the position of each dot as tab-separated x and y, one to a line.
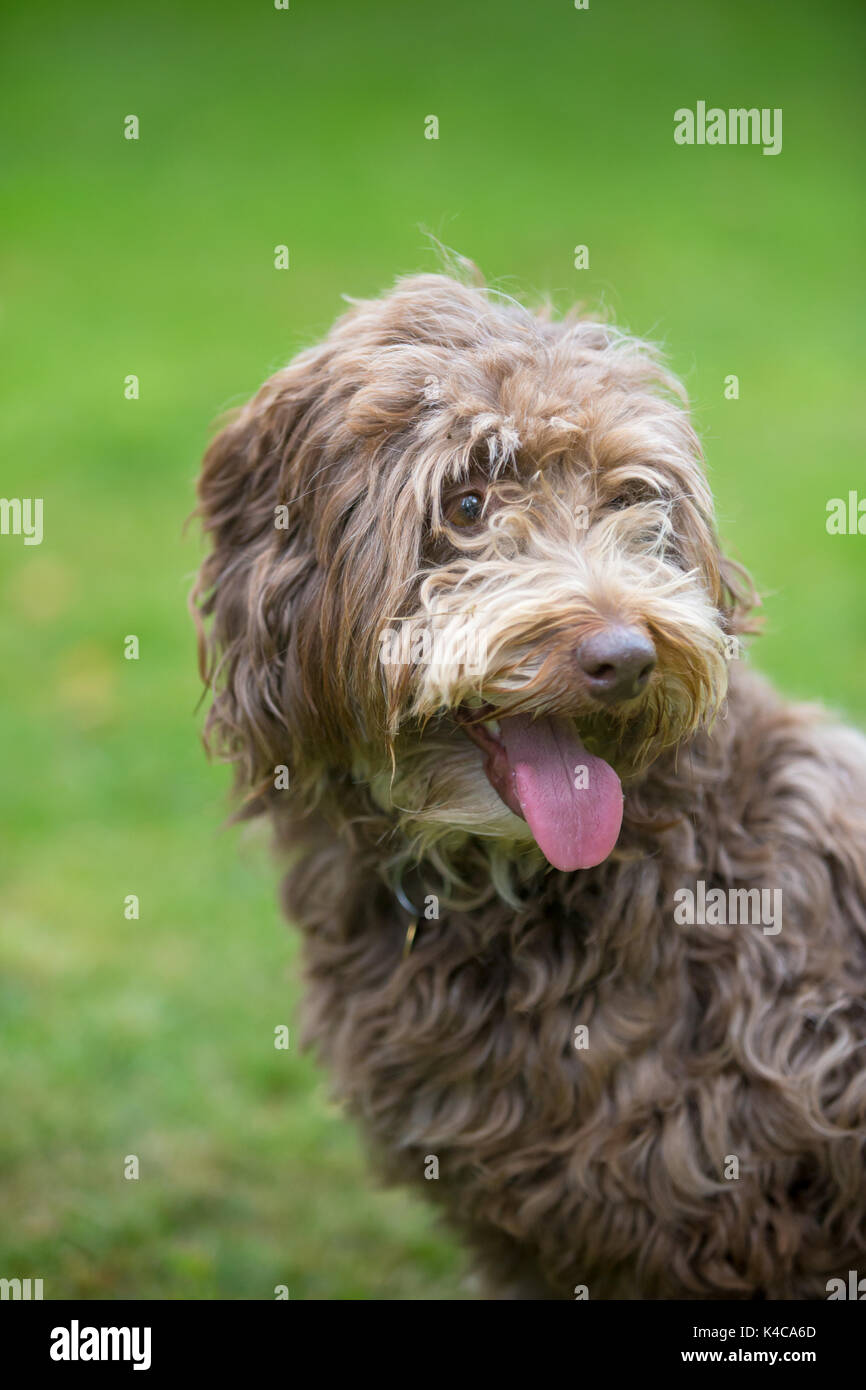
729	583
256	577
740	597
731	586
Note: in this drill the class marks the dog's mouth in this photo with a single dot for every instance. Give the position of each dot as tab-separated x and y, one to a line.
571	800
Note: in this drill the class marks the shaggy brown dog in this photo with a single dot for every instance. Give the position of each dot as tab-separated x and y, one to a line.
584	902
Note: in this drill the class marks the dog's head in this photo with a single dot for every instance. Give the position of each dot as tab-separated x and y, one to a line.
463	558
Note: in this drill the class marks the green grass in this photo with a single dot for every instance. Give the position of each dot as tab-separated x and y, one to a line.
154	1037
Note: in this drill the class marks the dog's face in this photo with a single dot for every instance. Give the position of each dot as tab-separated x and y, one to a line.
464	559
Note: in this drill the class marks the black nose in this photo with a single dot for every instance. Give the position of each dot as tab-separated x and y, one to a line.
617	663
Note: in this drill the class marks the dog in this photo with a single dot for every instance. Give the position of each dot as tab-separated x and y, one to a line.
476	651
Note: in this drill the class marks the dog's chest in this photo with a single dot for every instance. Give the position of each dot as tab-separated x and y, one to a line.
504	1051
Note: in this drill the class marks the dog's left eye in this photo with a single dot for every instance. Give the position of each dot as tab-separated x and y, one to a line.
465	510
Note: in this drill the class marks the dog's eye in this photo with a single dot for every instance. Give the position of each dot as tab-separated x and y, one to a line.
465	510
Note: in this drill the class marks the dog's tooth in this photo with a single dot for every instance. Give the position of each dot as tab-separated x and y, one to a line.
492	726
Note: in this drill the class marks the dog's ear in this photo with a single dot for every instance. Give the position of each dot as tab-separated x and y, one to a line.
258	574
730	584
739	596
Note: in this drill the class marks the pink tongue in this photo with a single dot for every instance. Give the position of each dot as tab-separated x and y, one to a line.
572	801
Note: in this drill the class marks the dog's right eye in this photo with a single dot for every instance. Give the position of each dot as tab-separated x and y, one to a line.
465	510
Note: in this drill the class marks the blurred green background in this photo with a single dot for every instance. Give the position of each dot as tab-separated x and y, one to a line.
306	127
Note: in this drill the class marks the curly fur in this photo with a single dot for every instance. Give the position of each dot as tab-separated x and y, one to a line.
326	505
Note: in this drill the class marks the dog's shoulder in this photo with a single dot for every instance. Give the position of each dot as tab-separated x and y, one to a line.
802	770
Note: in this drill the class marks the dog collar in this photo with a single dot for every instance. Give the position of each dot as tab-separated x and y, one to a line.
414	916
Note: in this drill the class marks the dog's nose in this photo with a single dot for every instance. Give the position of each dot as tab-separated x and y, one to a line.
617	663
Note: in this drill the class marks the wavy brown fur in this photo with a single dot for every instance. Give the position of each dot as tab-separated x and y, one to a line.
604	1166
